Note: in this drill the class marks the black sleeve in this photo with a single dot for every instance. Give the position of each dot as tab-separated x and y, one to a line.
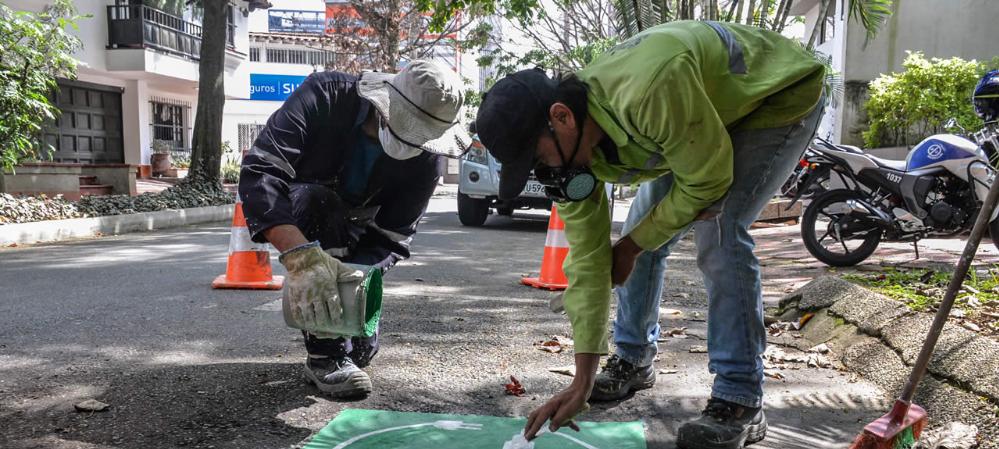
272	162
387	241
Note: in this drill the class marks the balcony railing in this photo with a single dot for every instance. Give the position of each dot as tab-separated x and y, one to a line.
140	26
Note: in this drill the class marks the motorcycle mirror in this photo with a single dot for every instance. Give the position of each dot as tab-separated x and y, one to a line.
952	123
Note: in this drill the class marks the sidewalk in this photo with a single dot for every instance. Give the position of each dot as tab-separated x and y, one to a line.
787	265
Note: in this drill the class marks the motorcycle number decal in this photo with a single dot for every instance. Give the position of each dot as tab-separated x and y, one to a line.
935	152
893	177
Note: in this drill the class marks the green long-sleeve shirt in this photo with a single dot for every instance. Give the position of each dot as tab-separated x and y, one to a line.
667	98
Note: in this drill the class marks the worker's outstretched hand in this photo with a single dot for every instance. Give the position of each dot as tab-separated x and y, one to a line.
562	408
310	292
626	251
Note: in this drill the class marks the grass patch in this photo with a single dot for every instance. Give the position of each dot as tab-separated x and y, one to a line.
923	290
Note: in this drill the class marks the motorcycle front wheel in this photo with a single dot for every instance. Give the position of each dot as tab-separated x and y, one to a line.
837	231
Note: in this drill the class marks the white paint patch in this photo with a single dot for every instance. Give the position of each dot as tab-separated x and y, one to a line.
273	306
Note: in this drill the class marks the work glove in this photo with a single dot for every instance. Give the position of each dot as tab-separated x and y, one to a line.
311	292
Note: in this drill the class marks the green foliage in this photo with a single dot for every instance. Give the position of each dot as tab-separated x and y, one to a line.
922	289
232	162
906	107
871	14
443	11
34	50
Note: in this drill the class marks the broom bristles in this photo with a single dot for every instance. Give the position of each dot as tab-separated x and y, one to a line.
906	439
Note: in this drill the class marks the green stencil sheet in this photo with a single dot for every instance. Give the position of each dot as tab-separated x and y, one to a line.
377	429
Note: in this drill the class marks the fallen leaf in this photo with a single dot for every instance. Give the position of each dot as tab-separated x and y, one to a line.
668	371
568	370
555	344
817	361
677	332
698	349
773	374
821	349
958	313
804	320
971	326
91	405
514	388
670	312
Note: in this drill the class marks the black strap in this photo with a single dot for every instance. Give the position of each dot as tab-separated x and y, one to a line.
420	109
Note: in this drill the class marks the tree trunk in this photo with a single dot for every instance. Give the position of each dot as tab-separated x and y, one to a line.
782	22
823	12
206	149
764	13
738	11
751	14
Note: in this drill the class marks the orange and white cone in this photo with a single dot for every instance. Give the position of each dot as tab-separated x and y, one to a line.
249	262
556	248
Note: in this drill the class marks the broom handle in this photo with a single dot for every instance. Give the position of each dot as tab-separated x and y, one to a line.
970	249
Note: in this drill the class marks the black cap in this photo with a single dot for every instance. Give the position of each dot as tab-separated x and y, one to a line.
512	115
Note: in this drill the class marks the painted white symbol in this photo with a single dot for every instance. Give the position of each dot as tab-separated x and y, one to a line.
935	151
517	441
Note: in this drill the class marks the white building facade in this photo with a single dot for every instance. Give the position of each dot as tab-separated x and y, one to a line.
137	82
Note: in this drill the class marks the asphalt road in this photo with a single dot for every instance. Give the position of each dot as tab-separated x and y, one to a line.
131	321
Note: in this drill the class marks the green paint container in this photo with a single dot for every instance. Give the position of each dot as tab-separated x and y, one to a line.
361	302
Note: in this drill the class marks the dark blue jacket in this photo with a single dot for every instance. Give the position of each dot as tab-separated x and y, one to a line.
311	139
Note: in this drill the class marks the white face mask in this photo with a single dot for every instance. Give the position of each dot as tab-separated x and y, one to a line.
394	148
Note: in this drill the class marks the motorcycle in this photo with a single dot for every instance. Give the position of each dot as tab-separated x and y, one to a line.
805	182
936	192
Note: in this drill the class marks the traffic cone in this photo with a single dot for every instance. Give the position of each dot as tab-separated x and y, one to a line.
556	248
249	262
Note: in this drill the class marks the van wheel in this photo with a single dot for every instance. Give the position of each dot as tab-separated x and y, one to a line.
471	211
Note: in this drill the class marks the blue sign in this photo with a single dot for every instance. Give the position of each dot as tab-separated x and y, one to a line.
273	87
286	21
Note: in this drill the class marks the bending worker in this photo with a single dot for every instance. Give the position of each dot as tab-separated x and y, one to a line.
343	172
710	118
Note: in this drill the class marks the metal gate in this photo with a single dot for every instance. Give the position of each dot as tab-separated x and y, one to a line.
89	129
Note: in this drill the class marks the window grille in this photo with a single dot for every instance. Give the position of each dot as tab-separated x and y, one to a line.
247	134
255	54
167	122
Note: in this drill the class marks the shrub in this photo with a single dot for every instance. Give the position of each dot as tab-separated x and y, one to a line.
189	192
906	107
232	162
36	49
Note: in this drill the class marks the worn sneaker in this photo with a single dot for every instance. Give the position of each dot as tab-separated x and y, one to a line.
619	377
723	425
338	377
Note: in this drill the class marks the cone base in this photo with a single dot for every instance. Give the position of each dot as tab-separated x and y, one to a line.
222	282
538	283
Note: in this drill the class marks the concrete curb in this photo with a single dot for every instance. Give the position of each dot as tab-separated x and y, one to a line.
57	230
880	338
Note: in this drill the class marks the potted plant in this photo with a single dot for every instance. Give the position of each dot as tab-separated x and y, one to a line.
180	161
160	159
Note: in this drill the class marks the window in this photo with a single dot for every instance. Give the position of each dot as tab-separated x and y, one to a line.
167	121
255	54
304	57
247	134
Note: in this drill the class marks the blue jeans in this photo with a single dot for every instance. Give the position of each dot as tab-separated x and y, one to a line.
764	158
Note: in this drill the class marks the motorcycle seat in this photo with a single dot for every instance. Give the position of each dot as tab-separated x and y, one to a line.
888	163
850	149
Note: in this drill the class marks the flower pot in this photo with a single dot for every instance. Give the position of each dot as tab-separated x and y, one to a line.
160	163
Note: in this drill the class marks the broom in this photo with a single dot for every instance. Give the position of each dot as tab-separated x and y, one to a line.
901	427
